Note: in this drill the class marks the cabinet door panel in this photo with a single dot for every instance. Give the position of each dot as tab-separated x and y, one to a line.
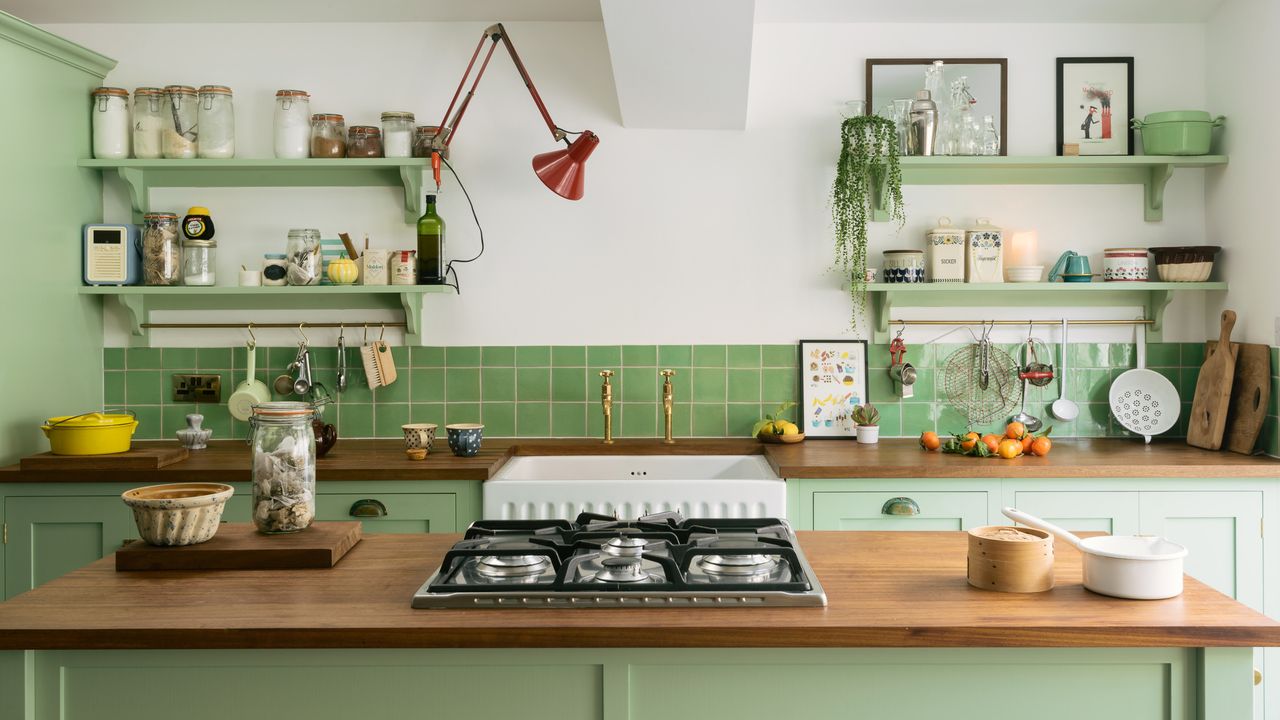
1115	513
49	537
865	510
1222	531
405	513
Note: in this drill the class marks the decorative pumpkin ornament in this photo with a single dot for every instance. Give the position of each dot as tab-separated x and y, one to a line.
343	270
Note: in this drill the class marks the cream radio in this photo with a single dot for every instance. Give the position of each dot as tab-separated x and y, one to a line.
111	255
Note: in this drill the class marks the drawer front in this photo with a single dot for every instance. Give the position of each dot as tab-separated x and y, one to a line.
404	513
930	510
1112	512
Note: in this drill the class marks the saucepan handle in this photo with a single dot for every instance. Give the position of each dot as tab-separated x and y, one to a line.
1037	523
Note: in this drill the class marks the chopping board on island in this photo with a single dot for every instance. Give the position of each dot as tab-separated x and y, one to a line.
1208	421
1250	395
239	546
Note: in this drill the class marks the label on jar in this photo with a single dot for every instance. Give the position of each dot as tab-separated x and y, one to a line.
272	271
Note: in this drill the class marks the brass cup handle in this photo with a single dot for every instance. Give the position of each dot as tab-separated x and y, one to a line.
1257	676
368	507
900	506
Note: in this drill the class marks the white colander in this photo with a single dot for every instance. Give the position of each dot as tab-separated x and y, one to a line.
1142	400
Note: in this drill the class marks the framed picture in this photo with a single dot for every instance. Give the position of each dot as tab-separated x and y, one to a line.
833	380
1095	106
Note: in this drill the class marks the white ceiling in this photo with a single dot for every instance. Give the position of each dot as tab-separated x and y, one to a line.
986	11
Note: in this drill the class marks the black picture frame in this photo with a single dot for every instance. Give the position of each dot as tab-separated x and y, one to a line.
1061	107
805	415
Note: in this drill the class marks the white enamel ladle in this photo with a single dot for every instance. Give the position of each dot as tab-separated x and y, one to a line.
1063	408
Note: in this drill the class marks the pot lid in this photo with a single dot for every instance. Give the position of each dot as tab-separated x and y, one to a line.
89	420
1177	116
1133	547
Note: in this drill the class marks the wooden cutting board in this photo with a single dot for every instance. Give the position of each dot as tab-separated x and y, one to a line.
239	546
1250	395
135	459
1208	419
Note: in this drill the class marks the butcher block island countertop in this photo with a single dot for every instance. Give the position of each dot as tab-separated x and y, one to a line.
885	589
229	460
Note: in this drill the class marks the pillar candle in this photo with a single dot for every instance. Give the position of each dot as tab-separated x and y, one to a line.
1023	249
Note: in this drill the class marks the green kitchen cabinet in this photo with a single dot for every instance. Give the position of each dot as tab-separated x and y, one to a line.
1222	530
50	536
890	504
1115	512
391	512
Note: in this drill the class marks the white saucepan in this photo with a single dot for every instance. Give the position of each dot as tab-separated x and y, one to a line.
1136	567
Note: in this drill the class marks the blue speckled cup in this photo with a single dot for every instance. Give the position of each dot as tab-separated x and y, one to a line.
464	438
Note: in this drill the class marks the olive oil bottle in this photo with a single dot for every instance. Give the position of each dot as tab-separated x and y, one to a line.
431	262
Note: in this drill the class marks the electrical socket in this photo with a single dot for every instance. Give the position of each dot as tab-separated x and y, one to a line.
197	388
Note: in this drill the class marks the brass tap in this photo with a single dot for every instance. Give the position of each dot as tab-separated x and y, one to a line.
668	400
606	402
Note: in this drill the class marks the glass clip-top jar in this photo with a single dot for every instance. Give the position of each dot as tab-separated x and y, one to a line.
328	136
293	124
161	253
397	134
110	123
148	123
217	122
181	131
284	466
305	261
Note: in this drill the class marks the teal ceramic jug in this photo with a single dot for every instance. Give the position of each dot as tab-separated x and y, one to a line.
1071	267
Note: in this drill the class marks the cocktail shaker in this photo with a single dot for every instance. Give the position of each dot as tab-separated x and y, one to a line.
924	125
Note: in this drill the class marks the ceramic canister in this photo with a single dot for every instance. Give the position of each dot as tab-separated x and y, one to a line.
946	252
903	266
1125	265
984	245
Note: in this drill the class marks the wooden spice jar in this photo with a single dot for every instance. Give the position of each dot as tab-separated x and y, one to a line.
1010	559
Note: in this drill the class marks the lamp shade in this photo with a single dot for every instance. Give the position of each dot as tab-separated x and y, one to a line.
564	170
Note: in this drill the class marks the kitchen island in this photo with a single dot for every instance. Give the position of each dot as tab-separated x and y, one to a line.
903	636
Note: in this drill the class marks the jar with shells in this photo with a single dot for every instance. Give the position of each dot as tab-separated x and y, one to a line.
284	466
161	253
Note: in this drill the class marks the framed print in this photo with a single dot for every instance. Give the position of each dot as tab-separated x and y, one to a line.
833	380
1095	106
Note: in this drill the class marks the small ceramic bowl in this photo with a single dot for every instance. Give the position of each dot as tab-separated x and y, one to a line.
178	513
464	438
1024	273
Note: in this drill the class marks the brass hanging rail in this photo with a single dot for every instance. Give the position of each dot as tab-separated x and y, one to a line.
259	325
1021	322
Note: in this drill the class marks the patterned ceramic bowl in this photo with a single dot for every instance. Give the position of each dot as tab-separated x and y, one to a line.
179	513
464	438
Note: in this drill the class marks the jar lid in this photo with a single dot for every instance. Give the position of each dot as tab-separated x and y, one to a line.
397	115
427	129
283	409
148	91
160	216
273	256
179	90
293	93
197	210
304	231
192	242
112	91
215	90
364	130
327	117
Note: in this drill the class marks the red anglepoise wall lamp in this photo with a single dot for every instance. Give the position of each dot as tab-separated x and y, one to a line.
561	170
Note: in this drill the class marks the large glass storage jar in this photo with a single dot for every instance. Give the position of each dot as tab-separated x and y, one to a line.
303	251
217	118
198	258
181	117
328	136
110	123
397	134
364	141
148	123
161	255
284	466
293	124
422	137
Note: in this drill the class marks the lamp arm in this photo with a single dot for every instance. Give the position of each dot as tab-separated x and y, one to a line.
494	33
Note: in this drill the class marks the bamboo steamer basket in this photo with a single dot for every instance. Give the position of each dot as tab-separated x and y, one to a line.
1006	565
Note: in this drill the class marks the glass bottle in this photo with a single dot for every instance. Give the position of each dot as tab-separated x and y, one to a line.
110	123
148	123
284	466
181	131
990	136
431	263
217	118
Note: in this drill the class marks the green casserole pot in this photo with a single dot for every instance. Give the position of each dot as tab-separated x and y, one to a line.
1177	132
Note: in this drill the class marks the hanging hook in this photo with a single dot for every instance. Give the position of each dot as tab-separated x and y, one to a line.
305	340
342	330
366	333
1031	325
901	330
253	339
383	333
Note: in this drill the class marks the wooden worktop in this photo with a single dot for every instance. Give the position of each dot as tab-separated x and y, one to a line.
885	589
228	461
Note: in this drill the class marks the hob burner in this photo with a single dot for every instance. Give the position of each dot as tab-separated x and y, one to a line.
622	570
508	566
738	564
624	546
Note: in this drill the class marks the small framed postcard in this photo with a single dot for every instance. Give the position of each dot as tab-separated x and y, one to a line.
833	381
1095	106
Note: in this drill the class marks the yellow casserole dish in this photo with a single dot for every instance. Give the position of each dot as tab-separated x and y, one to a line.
91	433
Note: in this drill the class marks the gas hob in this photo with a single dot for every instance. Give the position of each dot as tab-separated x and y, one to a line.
660	560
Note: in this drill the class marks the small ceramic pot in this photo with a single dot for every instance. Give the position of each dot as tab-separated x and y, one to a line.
464	438
903	266
1125	265
179	513
868	434
419	436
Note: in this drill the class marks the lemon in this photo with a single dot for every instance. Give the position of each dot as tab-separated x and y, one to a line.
768	429
788	428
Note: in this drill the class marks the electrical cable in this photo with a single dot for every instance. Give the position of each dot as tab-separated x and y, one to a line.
448	270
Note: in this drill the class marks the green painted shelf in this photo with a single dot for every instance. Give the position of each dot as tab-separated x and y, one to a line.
142	175
139	301
1150	171
1152	297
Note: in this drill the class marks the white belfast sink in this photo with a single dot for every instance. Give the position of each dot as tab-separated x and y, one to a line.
560	486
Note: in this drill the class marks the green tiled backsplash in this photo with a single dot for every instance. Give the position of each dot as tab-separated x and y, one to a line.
554	391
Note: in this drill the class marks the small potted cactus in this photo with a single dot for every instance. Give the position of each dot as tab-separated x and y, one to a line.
868	419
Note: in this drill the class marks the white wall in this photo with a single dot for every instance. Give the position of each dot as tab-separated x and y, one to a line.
683	236
1241	204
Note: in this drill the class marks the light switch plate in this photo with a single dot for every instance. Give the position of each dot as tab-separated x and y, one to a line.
197	388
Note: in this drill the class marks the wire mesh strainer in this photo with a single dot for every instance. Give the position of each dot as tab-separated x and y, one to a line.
980	380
